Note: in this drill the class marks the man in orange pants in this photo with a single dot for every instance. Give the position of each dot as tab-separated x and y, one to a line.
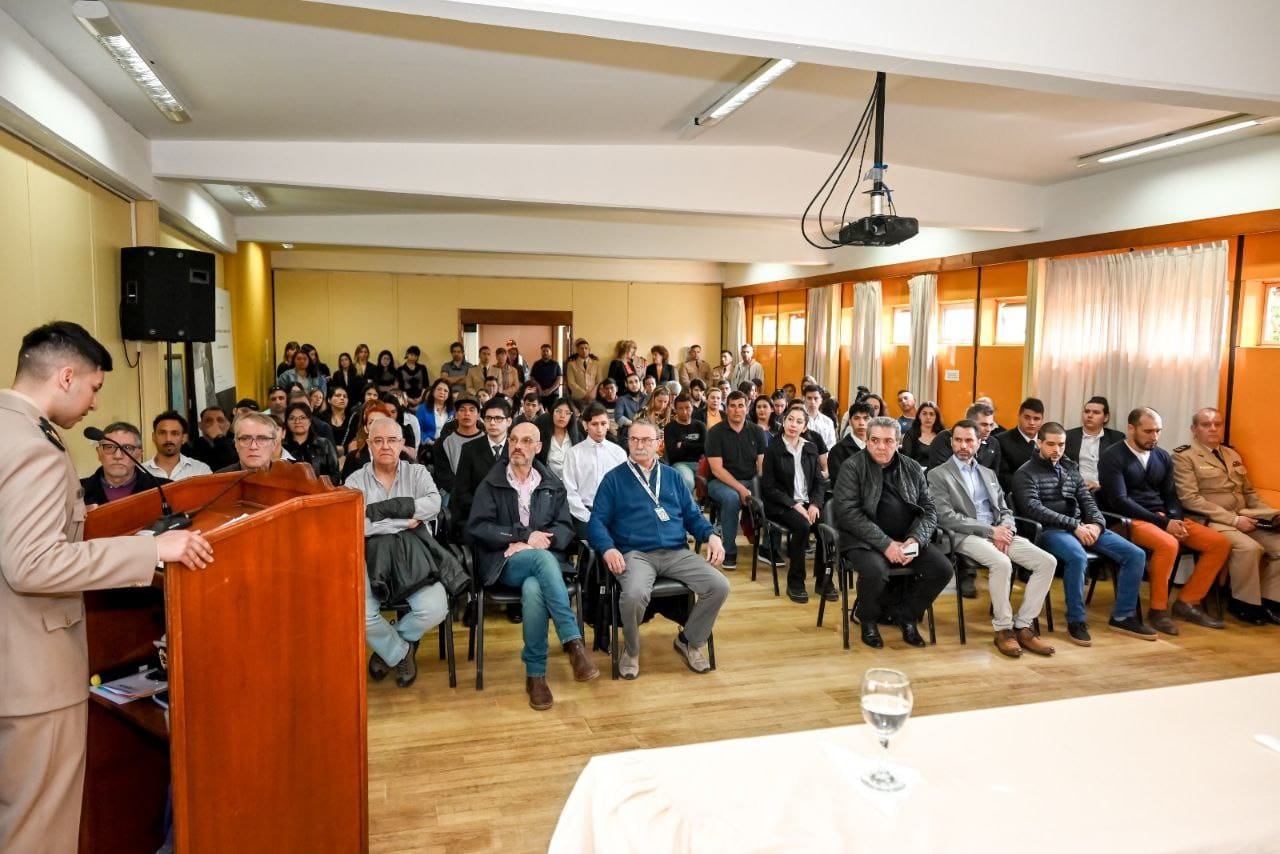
1137	481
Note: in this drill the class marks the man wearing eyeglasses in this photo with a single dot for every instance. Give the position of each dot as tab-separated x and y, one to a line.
640	521
257	438
118	477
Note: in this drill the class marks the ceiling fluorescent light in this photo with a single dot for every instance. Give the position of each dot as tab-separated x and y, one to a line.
96	18
251	198
1173	140
743	92
286	245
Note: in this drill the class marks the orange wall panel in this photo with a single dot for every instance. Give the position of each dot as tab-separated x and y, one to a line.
1253	410
1261	256
954	397
1000	378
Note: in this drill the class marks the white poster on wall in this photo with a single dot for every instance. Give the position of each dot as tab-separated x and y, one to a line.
214	364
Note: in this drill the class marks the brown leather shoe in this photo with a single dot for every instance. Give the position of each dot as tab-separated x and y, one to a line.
584	670
1161	621
1195	614
1008	644
539	693
1030	641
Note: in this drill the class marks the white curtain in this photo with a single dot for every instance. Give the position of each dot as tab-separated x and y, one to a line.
822	313
1141	328
735	326
865	346
922	376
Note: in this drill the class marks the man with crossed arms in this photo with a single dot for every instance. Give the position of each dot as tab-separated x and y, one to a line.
642	516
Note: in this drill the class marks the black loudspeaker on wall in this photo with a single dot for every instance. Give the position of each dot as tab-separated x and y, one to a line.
166	294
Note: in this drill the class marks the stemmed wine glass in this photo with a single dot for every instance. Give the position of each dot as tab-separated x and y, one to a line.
886	705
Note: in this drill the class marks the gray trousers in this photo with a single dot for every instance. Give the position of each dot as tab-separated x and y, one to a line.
1025	554
707	583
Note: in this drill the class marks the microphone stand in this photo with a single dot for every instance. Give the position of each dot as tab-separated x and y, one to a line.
168	521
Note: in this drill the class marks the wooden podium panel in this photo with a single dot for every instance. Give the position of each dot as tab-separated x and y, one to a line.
267	748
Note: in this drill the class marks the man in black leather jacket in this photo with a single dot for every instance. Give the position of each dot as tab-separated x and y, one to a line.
886	519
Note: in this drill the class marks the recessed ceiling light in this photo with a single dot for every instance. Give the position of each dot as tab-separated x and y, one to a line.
96	18
743	92
286	245
1231	124
251	198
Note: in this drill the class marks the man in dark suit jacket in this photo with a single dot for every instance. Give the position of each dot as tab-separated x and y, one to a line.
1019	445
1137	481
982	414
477	459
1087	443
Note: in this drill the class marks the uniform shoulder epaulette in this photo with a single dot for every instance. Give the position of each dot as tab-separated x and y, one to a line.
1181	448
51	434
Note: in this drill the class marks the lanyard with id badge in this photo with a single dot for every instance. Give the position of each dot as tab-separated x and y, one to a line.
663	515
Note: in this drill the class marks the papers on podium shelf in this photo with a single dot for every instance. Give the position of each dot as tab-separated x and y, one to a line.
132	687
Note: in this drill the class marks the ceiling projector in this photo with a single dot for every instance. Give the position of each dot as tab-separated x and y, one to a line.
879	230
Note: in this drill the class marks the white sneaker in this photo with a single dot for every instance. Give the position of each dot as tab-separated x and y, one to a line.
628	665
693	656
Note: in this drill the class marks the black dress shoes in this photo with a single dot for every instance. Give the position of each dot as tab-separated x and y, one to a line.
1253	615
911	634
968	588
1270	612
871	635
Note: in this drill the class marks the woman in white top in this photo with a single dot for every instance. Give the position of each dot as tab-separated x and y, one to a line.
560	430
791	487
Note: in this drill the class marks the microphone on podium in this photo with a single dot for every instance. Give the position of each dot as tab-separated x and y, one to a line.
168	521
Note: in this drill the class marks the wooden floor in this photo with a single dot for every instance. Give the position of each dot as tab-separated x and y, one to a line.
459	770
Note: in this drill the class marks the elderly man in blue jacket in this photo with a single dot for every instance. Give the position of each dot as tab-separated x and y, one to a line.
640	521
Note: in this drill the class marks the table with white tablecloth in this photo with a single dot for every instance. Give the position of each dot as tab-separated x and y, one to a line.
1162	770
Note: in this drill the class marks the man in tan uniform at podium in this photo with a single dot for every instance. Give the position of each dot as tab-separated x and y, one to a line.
44	566
1213	482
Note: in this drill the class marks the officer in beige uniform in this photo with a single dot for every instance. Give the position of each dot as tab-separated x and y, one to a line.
1212	481
44	566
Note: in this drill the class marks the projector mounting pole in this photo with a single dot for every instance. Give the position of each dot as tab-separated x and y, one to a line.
877	166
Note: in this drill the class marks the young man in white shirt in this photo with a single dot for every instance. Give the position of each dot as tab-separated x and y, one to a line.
586	464
169	432
818	422
1086	443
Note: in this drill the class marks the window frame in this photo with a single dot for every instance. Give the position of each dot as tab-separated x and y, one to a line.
970	339
995	322
1270	302
893	325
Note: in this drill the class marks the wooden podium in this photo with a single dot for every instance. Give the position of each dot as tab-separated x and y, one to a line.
266	743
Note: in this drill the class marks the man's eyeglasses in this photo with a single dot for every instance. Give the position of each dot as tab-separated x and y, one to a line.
110	448
494	419
524	441
299	419
254	441
640	440
386	441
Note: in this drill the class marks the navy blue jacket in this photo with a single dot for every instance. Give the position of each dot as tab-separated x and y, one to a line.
1141	493
623	516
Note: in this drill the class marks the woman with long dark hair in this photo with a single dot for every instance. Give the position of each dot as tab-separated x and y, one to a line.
435	411
321	369
923	430
791	488
286	363
342	418
305	446
560	431
348	376
303	373
386	376
763	416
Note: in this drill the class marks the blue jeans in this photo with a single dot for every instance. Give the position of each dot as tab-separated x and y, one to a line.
689	472
427	609
730	510
543	595
1132	560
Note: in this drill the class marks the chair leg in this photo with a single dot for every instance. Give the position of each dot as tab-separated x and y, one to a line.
960	613
711	649
822	600
773	562
448	619
933	632
755	557
1048	611
844	605
614	619
446	629
1093	582
480	642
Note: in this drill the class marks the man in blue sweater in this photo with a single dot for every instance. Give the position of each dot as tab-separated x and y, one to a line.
640	521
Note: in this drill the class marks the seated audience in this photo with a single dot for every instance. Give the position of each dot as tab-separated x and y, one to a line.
290	348
660	368
792	489
609	400
492	392
1018	446
413	377
305	446
853	442
277	400
818	422
1212	481
359	453
478	458
693	368
342	418
399	497
684	438
480	372
348	377
1086	443
1137	481
558	430
169	433
996	429
658	409
972	506
243	405
434	413
118	477
623	364
640	522
647	386
582	374
735	454
547	374
1049	490
386	376
921	432
321	369
258	439
530	409
214	446
586	463
631	401
367	370
988	454
319	403
886	519
520	526
713	414
697	391
455	370
907	406
447	452
876	402
303	373
762	416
